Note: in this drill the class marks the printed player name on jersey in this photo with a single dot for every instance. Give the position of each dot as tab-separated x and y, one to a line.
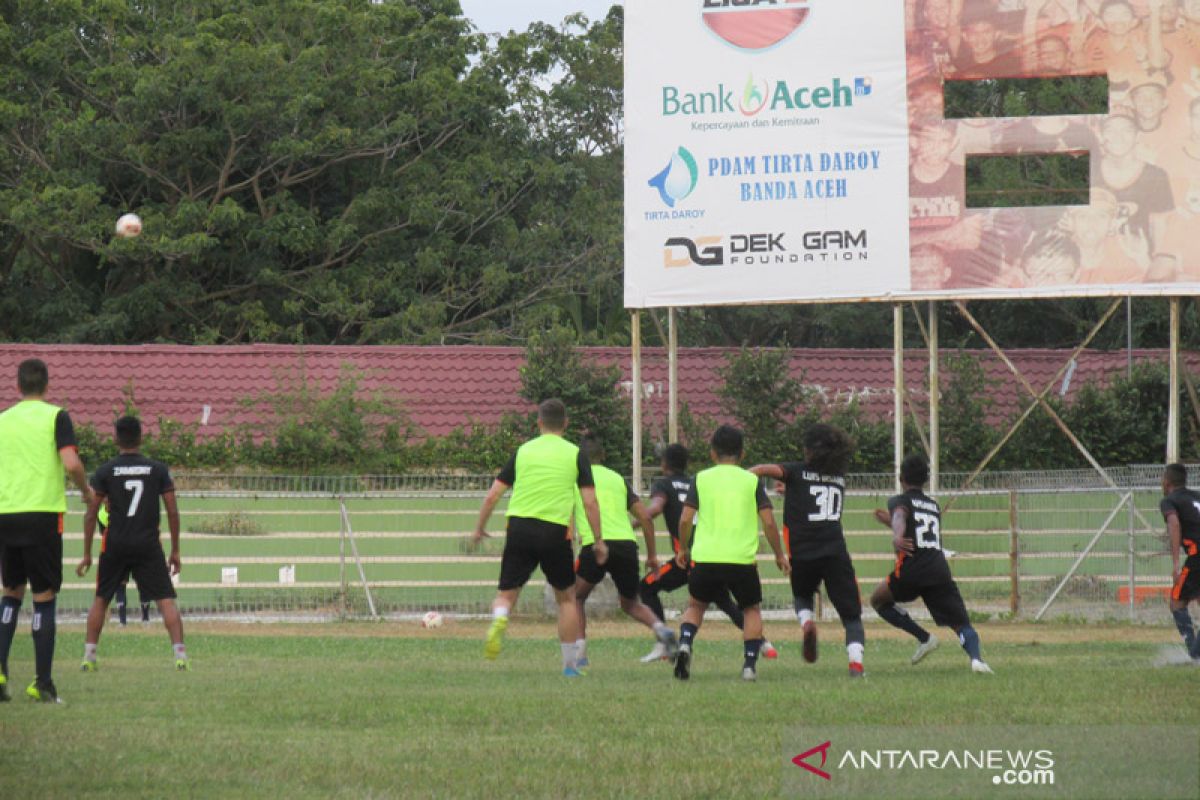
138	470
816	477
925	505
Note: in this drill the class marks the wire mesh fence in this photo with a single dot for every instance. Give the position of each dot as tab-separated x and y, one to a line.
352	547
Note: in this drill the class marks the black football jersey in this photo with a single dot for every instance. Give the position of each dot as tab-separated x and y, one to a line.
926	562
133	486
812	511
675	489
1185	503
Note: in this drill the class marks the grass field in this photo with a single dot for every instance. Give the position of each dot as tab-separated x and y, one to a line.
390	710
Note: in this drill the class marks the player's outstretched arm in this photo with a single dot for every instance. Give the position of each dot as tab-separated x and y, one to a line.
74	468
768	471
641	514
89	533
172	506
1175	537
771	531
489	505
592	509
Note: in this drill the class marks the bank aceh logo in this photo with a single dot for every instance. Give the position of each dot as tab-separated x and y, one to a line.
754	24
801	760
678	179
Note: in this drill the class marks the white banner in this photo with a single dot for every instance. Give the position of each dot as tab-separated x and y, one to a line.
766	151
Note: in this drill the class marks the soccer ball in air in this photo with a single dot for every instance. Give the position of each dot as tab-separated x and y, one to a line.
129	226
432	619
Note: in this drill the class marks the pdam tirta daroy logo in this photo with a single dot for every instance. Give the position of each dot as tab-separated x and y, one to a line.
678	179
754	24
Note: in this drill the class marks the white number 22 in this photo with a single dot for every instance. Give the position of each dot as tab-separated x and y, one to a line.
137	487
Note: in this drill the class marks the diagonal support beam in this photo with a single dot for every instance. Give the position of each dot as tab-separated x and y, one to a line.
1038	398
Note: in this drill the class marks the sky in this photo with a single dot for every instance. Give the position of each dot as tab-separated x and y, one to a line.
501	16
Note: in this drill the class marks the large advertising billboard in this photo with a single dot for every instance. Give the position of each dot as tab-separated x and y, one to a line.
797	151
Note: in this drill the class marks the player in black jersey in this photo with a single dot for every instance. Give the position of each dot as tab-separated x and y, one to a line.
667	494
133	485
812	534
1181	509
921	569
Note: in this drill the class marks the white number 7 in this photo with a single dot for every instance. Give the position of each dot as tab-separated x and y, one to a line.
137	487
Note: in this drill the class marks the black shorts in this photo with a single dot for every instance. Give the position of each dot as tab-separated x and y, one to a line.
943	599
667	578
146	562
1187	588
841	584
622	565
31	551
533	543
708	583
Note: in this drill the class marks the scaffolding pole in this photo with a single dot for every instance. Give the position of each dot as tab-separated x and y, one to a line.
1173	401
898	387
672	377
635	331
935	402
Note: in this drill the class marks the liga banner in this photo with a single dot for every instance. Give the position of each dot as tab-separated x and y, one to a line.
766	151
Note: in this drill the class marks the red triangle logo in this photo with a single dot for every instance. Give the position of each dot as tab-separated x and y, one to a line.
801	760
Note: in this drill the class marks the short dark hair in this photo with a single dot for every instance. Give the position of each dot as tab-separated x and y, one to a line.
914	470
727	442
1175	475
593	448
827	449
676	457
32	376
553	414
129	432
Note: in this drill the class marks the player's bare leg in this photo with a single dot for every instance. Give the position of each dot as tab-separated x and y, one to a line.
885	606
583	590
174	625
693	617
95	625
568	630
642	613
501	606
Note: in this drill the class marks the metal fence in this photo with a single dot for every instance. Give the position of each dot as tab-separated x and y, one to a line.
266	547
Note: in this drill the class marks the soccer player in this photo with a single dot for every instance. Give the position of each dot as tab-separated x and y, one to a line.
37	444
813	537
1181	509
543	476
133	486
616	501
921	571
726	504
667	495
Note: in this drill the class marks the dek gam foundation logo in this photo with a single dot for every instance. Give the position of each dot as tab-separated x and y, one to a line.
1000	766
763	249
754	25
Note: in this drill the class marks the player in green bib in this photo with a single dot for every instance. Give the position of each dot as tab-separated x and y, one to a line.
37	446
543	475
616	501
724	508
